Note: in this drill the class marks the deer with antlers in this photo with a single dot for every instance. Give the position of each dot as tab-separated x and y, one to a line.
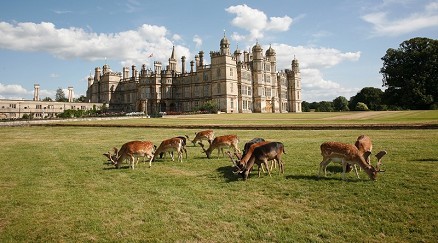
131	150
221	142
348	154
259	154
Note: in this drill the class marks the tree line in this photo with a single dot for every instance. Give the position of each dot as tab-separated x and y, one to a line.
410	76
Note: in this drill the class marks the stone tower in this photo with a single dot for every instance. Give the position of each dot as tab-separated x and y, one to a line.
294	79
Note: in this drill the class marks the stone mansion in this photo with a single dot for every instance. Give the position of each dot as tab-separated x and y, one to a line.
236	82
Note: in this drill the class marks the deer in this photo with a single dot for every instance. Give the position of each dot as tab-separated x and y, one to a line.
170	145
131	150
203	135
243	160
349	154
220	143
184	143
263	153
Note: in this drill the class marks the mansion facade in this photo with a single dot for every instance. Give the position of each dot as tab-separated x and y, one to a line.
235	82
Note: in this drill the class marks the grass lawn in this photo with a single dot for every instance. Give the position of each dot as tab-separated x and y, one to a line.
56	187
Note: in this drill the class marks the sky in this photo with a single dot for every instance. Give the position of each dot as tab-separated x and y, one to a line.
339	43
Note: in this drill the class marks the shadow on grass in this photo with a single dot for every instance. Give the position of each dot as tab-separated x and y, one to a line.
426	160
227	173
312	177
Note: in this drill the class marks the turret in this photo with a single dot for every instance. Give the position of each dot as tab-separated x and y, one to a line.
157	67
201	58
125	72
134	72
237	54
183	64
172	60
225	46
192	63
97	74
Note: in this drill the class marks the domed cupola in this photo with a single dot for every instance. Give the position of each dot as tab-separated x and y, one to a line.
257	48
270	51
225	46
224	41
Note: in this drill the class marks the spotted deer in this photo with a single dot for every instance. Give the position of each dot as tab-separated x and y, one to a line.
203	135
348	154
170	145
221	142
131	150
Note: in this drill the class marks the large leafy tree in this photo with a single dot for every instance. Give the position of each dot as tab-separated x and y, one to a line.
340	104
410	74
370	96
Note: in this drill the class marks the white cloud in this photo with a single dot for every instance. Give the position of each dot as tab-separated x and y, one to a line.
256	22
198	41
176	37
132	46
383	25
12	90
312	60
316	88
17	92
311	56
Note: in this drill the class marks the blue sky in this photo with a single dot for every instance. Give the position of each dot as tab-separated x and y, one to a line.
339	43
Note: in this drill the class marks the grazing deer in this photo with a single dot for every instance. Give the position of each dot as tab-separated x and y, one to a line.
131	150
203	135
261	154
170	145
184	143
246	155
348	154
220	143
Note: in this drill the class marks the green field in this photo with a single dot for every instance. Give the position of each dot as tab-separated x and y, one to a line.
56	186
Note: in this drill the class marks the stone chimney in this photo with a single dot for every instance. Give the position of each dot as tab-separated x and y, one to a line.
36	92
70	94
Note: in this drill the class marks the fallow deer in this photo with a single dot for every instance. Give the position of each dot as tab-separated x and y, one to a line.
203	135
184	143
131	150
261	154
170	145
348	154
220	143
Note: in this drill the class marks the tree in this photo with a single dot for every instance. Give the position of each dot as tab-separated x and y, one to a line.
371	96
60	95
361	107
325	106
82	98
47	99
305	106
340	104
410	74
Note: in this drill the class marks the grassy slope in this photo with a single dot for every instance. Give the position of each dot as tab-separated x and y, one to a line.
55	187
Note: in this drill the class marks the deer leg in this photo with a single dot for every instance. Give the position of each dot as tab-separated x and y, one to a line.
171	156
323	166
355	170
267	167
132	161
150	161
344	168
